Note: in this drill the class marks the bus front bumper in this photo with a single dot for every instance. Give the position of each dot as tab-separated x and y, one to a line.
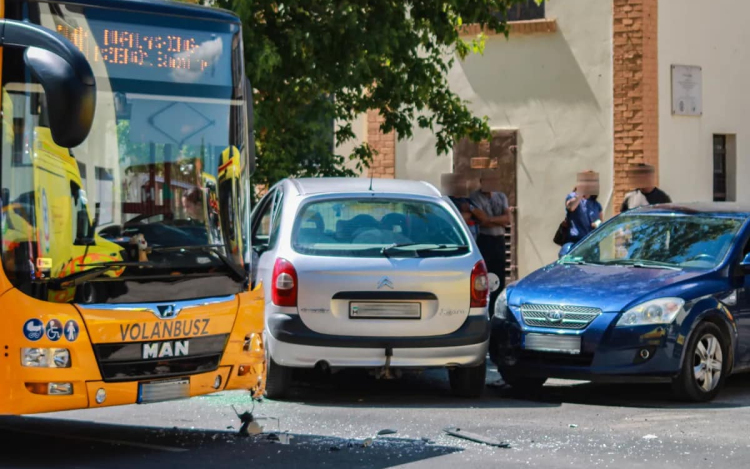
34	397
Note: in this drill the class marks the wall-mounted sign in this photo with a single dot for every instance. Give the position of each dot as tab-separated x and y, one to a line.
687	96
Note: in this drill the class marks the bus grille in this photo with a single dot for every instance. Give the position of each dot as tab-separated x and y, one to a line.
159	359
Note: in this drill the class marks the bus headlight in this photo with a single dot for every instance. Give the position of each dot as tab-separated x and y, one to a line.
45	357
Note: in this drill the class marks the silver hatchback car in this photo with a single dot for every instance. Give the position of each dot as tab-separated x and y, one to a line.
379	274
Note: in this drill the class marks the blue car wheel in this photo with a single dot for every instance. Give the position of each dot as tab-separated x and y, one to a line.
705	365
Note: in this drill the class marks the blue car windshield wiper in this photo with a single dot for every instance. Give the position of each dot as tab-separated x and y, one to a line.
644	264
576	261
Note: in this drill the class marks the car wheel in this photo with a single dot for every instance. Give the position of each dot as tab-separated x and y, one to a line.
468	381
519	382
704	368
278	380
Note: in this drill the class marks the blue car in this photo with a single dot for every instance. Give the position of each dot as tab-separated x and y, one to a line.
659	293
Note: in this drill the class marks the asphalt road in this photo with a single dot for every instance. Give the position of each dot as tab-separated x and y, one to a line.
568	424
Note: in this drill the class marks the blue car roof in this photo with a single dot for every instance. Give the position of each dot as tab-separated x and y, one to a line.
163	7
739	210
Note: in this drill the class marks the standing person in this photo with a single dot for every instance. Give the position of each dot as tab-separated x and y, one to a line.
457	190
643	177
595	208
578	208
596	213
491	239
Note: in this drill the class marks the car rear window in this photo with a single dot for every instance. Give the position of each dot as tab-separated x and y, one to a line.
371	227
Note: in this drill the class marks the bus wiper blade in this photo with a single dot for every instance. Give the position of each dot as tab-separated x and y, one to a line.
99	269
192	247
238	271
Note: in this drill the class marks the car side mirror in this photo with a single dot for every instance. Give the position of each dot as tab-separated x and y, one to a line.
745	264
565	249
65	75
494	282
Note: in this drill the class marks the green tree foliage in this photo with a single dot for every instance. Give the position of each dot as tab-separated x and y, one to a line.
315	61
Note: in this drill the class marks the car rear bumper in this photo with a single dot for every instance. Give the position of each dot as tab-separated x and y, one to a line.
305	356
292	343
290	329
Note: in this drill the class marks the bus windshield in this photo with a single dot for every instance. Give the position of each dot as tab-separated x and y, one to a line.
153	194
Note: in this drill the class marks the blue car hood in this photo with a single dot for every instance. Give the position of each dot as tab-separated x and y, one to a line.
609	288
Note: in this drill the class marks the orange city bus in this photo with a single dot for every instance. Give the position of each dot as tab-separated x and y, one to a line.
126	155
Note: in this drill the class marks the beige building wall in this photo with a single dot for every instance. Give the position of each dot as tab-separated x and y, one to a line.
713	36
359	127
555	88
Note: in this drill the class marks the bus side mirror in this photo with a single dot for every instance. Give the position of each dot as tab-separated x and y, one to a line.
250	125
65	75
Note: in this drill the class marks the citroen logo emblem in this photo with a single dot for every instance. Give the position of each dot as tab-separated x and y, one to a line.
385	282
554	316
166	311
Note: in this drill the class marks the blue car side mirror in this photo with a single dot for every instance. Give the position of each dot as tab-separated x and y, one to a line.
565	249
746	263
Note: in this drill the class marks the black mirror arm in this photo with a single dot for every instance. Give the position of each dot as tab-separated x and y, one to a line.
21	34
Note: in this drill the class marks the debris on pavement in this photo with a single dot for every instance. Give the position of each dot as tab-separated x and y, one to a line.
573	425
387	431
650	437
460	433
283	438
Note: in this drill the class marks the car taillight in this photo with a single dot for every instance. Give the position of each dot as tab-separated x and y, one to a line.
284	286
480	285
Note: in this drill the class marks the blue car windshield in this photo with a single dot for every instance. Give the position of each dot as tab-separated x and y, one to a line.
667	241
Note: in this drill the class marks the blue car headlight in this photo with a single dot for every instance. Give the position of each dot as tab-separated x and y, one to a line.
659	311
501	305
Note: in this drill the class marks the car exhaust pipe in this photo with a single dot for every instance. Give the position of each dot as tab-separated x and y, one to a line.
385	372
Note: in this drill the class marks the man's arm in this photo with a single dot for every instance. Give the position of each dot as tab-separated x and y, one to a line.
479	214
504	218
499	220
573	202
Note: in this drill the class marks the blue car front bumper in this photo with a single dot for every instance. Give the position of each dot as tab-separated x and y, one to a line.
607	353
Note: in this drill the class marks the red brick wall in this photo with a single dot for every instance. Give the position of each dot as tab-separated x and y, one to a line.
636	93
384	146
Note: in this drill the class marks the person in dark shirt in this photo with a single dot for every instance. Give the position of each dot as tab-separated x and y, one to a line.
595	211
644	177
457	190
578	206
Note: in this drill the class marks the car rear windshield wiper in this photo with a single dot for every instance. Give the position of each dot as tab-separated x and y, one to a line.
644	264
207	248
436	247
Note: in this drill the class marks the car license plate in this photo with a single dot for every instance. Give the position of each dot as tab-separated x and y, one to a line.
158	391
385	310
553	343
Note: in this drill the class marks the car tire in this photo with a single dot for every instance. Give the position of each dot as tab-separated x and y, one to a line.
521	383
701	377
468	381
278	380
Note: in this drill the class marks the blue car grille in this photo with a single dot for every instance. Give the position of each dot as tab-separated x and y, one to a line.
558	317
